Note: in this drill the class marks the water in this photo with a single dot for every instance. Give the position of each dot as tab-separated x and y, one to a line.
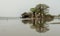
17	27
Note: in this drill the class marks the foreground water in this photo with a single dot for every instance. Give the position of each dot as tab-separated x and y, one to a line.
16	27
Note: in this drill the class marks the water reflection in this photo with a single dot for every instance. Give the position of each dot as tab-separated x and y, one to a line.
40	25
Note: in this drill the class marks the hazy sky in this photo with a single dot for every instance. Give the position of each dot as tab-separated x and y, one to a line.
14	8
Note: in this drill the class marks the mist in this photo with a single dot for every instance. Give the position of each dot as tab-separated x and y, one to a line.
14	8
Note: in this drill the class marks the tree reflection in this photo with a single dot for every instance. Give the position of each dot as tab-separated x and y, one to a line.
37	25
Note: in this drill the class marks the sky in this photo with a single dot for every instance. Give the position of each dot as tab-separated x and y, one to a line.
14	8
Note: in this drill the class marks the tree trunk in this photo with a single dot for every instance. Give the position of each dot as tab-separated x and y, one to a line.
33	14
40	18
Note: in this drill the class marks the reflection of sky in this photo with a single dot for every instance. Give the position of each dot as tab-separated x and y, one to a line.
13	8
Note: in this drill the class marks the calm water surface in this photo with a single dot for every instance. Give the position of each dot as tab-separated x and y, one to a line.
16	27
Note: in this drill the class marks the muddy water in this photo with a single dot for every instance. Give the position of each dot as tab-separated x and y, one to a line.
17	27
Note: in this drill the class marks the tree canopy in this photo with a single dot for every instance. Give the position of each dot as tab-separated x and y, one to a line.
40	8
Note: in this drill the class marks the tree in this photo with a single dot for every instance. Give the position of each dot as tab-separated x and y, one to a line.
41	8
33	10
